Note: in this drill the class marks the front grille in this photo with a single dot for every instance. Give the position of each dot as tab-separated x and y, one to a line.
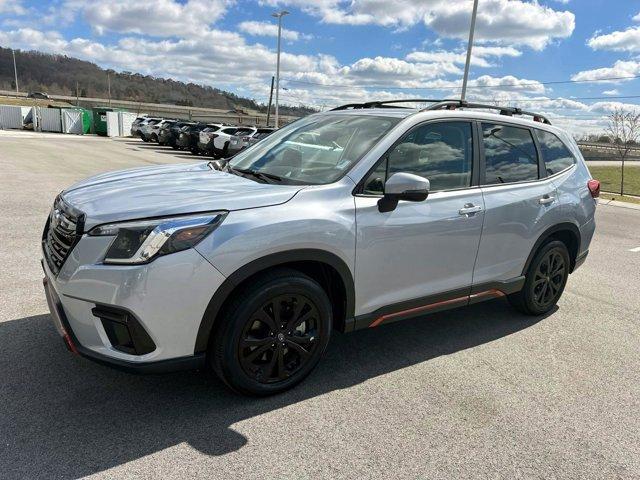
61	233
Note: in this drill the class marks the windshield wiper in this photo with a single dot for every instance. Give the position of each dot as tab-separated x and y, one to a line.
256	174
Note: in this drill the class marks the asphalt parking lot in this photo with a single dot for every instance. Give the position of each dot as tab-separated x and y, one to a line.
482	392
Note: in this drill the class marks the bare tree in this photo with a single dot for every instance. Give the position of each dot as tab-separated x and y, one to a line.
624	130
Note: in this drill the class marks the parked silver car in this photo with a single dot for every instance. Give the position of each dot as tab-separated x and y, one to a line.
346	219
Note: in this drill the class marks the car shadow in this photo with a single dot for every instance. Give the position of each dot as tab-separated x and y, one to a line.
66	417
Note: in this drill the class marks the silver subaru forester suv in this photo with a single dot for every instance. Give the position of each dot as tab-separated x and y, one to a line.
348	219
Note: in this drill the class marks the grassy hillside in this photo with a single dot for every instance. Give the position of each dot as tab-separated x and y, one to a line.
58	74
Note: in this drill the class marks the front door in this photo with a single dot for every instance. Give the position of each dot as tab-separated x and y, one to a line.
420	253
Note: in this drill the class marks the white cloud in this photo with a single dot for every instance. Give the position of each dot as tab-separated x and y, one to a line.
390	71
619	70
507	84
13	7
621	41
479	57
505	22
611	92
162	18
266	29
636	18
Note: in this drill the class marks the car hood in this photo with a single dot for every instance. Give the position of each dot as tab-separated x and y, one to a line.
169	190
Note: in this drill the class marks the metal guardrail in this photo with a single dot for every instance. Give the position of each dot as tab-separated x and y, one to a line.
164	109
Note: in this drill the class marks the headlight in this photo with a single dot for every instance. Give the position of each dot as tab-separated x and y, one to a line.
143	240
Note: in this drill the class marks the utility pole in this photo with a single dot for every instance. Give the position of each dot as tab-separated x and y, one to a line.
77	99
109	87
469	48
270	98
15	70
279	16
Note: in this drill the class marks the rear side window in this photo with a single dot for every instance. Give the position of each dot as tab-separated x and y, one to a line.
556	155
510	154
245	131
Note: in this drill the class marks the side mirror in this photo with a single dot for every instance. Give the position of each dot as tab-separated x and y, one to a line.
403	186
407	186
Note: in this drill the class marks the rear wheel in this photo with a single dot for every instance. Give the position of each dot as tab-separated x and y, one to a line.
154	138
545	280
272	334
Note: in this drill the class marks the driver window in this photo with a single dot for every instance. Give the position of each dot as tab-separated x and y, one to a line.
440	152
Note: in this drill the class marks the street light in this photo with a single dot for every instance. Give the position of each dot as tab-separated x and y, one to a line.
279	16
15	70
469	47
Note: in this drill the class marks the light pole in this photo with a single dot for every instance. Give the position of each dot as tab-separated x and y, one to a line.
279	16
469	47
15	70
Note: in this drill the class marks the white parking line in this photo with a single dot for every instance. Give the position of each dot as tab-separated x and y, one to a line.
637	249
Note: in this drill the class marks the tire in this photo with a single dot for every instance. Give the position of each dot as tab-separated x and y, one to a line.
252	353
154	138
541	290
145	139
194	151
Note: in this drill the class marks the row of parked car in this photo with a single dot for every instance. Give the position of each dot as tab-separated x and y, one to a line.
219	140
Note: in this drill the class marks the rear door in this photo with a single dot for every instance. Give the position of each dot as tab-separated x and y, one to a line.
420	253
520	203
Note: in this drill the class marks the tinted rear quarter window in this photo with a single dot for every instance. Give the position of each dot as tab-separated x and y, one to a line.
555	153
510	154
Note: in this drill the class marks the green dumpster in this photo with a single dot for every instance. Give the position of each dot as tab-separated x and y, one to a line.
100	119
87	120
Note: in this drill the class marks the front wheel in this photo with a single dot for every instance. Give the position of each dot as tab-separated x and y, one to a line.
272	334
545	280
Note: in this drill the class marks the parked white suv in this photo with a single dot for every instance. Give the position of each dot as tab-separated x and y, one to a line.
347	219
221	140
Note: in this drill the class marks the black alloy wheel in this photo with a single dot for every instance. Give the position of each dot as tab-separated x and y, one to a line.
272	333
279	338
545	280
548	279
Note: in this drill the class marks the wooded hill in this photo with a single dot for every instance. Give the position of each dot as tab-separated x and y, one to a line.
58	74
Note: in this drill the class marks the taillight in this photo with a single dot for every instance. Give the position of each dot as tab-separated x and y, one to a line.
594	187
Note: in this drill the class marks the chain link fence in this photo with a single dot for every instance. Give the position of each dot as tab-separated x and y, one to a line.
606	167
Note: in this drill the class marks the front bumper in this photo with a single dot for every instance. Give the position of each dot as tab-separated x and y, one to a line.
167	296
194	362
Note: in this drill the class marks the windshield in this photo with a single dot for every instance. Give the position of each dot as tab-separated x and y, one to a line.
316	149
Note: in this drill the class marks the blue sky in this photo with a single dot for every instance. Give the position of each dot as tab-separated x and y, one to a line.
337	51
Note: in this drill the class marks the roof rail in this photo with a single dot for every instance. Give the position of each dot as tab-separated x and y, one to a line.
444	104
385	103
508	111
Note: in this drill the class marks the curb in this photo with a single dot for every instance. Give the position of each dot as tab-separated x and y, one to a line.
617	203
